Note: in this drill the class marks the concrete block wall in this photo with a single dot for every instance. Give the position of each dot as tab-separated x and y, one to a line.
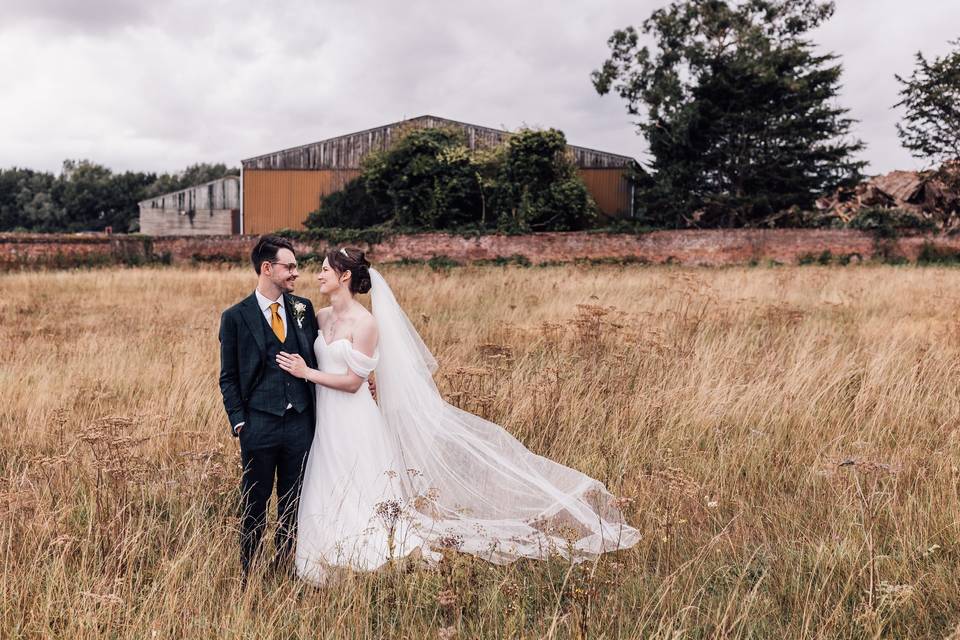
174	222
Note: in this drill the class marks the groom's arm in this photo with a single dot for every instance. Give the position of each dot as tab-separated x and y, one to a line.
230	371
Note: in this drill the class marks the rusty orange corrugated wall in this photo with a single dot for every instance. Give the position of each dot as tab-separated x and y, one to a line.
610	189
282	199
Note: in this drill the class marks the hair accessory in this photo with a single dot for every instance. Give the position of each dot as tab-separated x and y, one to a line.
344	252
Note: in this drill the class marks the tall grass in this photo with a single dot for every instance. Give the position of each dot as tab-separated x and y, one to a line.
786	439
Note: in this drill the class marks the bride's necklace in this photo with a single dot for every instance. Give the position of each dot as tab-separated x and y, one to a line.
332	329
334	321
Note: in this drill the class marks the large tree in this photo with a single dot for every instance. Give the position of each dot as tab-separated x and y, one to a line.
537	187
738	109
428	179
931	98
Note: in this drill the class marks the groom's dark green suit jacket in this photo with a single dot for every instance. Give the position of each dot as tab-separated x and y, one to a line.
249	374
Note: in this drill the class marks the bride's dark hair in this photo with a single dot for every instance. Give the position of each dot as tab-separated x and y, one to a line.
354	261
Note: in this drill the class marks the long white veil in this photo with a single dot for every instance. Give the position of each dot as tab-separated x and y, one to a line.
468	482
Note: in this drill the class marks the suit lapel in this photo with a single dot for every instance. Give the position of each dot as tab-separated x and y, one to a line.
254	319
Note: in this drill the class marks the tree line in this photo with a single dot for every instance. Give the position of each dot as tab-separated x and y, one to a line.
86	196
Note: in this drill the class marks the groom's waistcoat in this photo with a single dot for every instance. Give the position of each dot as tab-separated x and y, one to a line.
277	388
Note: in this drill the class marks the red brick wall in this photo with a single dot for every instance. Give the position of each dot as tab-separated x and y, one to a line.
690	247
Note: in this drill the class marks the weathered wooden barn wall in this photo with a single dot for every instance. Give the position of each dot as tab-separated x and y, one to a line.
207	222
212	208
282	199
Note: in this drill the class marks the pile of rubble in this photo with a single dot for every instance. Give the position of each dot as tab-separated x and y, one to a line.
932	198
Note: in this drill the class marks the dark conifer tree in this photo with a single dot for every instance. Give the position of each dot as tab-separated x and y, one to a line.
738	109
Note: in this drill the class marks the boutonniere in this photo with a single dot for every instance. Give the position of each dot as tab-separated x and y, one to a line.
299	309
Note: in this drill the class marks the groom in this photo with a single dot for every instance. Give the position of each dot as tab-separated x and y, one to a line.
270	411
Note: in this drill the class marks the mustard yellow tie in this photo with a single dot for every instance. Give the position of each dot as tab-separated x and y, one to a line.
275	322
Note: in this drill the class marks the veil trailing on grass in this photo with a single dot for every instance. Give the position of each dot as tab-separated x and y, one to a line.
468	484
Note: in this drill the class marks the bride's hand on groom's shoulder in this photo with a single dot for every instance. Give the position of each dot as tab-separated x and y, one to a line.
293	363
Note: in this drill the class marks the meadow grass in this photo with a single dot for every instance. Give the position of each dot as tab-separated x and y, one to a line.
786	440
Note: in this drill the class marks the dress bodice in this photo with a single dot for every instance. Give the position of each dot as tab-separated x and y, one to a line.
339	356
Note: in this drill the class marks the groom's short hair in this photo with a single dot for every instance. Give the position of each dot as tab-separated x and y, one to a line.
266	250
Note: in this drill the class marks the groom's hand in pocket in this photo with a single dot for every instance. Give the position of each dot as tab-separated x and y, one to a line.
372	383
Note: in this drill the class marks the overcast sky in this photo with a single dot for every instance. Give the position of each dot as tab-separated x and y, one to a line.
161	85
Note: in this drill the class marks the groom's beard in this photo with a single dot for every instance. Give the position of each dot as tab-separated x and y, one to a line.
288	285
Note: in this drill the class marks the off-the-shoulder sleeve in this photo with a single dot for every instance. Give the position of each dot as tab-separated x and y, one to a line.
360	363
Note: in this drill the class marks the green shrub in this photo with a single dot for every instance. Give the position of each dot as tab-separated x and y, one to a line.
350	208
538	188
885	222
441	263
931	254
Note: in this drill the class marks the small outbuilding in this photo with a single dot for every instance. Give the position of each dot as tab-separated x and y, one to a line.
212	208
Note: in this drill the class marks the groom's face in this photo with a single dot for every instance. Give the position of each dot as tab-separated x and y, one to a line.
282	273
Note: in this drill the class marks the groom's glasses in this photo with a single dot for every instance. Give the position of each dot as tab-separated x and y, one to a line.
291	266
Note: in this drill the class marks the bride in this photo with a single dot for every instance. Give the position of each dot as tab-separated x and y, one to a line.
416	473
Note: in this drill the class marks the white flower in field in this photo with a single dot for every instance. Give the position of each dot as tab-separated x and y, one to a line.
894	595
931	550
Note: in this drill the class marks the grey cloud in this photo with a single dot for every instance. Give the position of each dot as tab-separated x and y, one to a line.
91	17
161	86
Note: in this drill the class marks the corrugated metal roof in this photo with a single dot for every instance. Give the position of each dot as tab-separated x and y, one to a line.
223	193
347	151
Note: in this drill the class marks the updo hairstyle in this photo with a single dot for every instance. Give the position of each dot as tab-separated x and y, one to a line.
354	261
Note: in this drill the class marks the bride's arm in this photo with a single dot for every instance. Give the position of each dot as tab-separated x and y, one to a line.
364	340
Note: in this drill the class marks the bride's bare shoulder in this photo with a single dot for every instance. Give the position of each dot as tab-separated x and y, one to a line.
365	335
322	315
366	324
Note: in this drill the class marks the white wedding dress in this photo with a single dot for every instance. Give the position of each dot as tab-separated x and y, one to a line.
418	474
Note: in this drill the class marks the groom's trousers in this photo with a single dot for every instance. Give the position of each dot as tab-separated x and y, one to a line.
273	447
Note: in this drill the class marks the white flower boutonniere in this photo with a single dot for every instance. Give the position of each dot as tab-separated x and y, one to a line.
298	310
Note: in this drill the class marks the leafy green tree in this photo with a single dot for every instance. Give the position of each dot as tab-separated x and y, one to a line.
737	108
350	208
29	201
87	195
538	188
428	177
127	190
931	98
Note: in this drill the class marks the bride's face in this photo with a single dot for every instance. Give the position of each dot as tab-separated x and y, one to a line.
330	281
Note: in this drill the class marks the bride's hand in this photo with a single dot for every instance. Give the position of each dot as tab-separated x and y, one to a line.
293	363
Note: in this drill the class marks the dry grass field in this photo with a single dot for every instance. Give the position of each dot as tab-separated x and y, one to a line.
788	439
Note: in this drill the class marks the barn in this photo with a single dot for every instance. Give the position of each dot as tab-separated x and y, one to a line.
280	189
